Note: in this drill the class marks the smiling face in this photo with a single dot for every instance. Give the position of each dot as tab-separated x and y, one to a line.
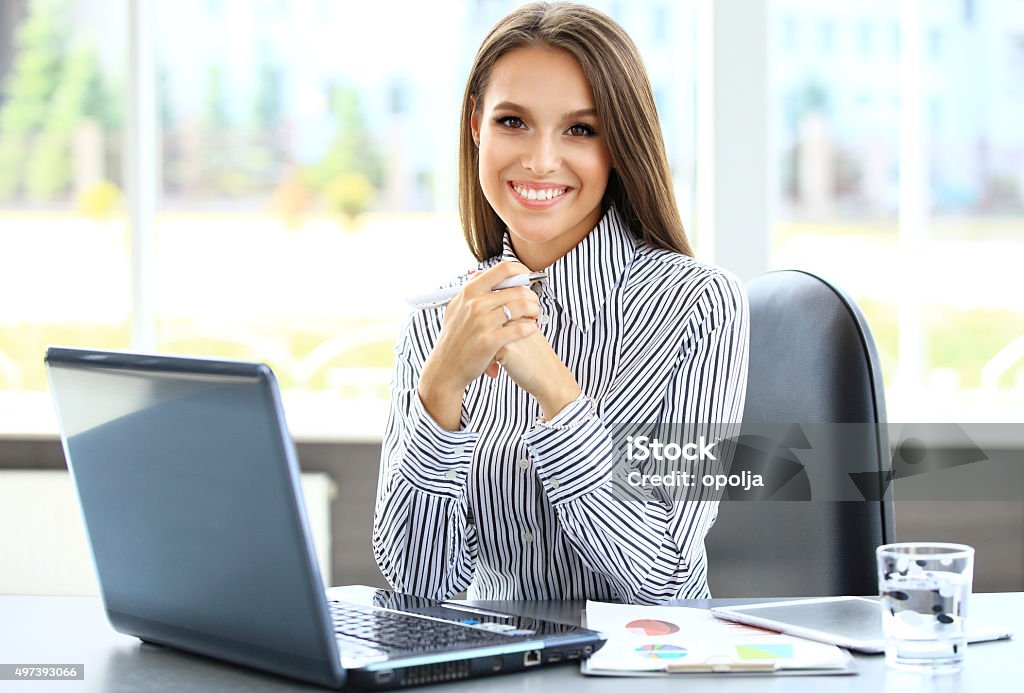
544	163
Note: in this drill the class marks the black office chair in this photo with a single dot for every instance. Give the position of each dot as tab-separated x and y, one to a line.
813	364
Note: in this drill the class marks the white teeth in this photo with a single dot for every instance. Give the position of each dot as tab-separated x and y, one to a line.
535	194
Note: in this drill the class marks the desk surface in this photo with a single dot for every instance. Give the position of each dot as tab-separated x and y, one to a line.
74	630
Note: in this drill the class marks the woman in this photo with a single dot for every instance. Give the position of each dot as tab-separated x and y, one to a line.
505	484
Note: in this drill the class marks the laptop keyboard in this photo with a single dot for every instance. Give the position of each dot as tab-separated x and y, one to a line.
397	633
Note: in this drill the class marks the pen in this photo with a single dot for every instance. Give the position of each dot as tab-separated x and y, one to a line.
436	299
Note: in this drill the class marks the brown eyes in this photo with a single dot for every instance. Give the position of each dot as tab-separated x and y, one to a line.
510	122
576	130
581	130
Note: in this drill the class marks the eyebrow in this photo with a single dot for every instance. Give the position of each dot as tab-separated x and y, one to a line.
510	106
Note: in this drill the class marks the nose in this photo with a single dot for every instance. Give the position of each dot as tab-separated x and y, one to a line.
542	155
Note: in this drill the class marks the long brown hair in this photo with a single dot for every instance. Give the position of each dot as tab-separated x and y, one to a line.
639	184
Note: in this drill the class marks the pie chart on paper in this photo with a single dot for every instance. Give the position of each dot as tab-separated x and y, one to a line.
650	626
660	651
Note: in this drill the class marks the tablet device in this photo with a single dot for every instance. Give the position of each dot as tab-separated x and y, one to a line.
851	622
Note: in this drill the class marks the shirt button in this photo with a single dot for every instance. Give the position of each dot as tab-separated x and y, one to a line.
554	484
451	475
524	463
528	537
544	319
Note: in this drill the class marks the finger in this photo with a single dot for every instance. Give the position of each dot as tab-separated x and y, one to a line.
516	330
496	299
503	314
490	278
522	293
523	309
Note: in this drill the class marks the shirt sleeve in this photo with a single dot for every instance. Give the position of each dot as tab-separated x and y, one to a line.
423	540
651	550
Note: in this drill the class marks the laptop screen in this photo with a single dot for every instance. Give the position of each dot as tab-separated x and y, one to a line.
189	488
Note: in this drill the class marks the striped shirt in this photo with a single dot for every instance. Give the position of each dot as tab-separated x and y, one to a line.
514	507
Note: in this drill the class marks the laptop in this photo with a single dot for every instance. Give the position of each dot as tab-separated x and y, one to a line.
189	487
851	622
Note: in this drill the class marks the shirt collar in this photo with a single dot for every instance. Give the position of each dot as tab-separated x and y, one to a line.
581	280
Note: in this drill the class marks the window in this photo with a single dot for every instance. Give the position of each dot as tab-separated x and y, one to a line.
64	257
931	263
935	45
790	34
307	183
826	37
661	28
866	38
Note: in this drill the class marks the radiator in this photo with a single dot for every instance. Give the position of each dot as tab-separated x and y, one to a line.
43	548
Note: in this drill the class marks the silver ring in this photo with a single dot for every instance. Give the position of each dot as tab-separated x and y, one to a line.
508	314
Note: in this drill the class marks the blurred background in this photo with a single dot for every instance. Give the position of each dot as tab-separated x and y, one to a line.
267	179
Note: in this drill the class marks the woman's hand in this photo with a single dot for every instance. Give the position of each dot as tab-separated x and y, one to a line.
535	367
474	329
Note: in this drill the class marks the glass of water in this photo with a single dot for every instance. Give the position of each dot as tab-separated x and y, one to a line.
925	587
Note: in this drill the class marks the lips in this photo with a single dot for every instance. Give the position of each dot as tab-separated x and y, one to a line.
538	195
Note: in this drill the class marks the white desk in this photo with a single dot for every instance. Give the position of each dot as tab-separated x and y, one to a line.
74	630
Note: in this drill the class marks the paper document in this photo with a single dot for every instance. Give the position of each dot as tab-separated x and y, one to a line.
663	640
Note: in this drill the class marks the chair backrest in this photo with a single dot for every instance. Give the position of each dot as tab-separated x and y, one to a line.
813	364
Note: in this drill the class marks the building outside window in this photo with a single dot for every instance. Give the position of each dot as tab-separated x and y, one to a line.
939	287
305	174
